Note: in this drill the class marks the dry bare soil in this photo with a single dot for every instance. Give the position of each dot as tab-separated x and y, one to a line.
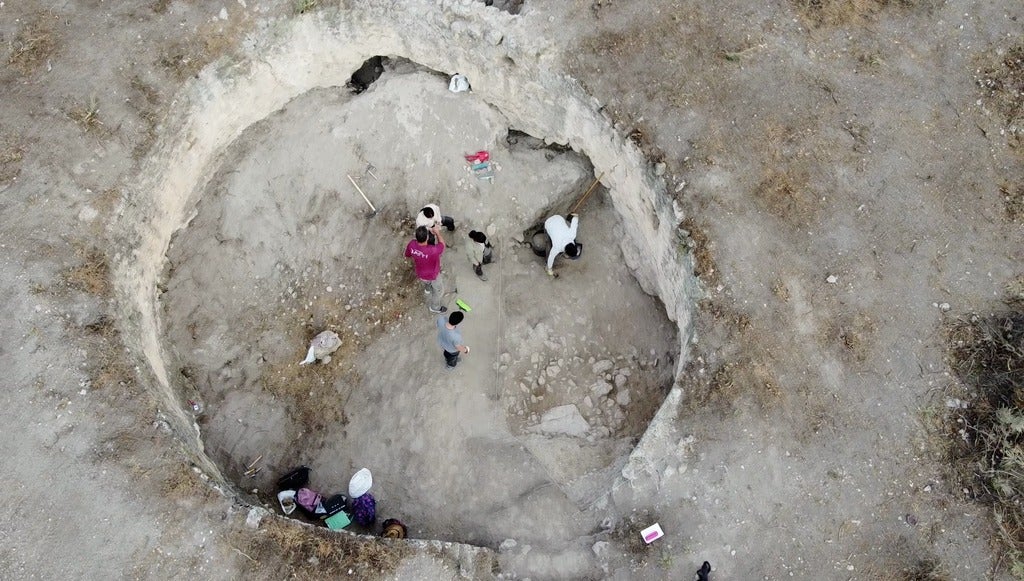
852	181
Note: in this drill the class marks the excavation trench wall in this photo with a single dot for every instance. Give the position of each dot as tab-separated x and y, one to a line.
507	68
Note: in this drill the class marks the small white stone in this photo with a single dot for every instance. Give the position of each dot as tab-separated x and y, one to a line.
832	279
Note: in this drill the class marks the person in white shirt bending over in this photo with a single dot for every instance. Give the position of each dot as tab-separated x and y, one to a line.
562	233
430	217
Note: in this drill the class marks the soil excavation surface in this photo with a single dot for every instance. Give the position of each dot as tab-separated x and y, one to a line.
281	248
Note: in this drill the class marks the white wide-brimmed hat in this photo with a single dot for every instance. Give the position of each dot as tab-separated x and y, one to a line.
360	483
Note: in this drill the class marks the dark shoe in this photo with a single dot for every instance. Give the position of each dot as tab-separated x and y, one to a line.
441	310
448	222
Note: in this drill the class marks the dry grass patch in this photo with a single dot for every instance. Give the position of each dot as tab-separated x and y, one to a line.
184	483
626	535
985	442
92	274
283	548
109	365
1013	202
87	115
730	384
160	6
699	243
784	189
819	13
11	155
146	101
1015	292
780	290
853	333
1003	85
925	569
783	193
186	57
34	44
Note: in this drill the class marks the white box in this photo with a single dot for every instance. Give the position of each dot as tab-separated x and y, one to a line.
652	533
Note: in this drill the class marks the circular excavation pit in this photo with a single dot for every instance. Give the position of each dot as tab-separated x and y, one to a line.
247	239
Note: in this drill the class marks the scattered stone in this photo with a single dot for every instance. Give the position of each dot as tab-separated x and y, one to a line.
587	402
564	419
622	397
505	358
535	358
541	380
523	387
553	370
944	307
620	380
832	279
603	366
600	549
601	388
507	545
659	168
252	520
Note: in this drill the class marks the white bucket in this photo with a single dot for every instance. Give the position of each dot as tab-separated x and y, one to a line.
287	500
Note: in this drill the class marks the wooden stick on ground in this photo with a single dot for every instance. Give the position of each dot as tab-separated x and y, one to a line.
360	190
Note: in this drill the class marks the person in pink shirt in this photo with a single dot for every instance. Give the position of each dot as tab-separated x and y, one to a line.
426	259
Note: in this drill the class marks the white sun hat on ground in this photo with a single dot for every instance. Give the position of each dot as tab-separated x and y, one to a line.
360	483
